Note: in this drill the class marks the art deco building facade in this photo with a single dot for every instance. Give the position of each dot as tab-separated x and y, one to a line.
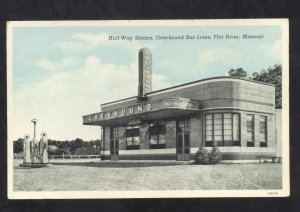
236	114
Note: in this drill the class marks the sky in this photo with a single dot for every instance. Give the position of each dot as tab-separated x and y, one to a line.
60	74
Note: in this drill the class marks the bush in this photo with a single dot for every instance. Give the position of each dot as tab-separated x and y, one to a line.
215	155
205	157
202	156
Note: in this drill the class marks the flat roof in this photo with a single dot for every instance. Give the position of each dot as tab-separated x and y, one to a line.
189	83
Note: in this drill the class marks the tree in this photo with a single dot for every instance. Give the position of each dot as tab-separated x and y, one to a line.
76	144
67	147
18	145
52	142
272	75
239	72
54	150
98	143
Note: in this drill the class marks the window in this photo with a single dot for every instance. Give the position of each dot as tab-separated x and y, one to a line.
263	131
132	137
227	123
236	129
250	130
157	136
218	137
209	130
223	128
183	126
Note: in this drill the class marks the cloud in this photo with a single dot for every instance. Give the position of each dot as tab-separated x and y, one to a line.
223	56
87	42
273	50
159	81
61	99
91	39
84	41
178	64
53	65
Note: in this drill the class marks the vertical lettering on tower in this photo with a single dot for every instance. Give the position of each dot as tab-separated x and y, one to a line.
145	72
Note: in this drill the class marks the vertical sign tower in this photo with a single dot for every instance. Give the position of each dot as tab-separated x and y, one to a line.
145	72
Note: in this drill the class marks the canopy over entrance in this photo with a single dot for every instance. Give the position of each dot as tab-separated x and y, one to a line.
147	110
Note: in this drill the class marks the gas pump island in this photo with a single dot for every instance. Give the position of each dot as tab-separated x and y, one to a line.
35	152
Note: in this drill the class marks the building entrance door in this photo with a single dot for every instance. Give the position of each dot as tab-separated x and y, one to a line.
183	146
183	140
114	149
114	144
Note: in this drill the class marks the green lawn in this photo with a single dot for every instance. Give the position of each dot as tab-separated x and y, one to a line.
73	177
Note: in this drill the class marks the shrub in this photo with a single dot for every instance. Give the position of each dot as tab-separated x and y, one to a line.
215	155
202	156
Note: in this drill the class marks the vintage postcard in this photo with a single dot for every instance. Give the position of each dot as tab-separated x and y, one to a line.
148	109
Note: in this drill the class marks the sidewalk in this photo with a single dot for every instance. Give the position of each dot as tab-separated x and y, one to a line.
138	163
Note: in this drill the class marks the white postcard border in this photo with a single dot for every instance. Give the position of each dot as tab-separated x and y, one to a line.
284	192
